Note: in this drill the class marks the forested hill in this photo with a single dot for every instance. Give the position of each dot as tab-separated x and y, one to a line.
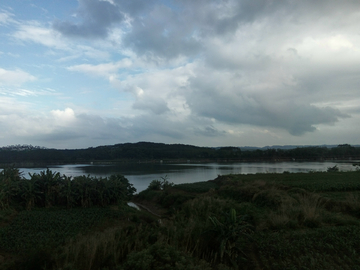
146	151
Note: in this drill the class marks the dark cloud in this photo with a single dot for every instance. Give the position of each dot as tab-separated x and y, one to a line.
156	106
96	130
163	32
97	17
59	135
146	126
208	131
237	107
274	64
173	28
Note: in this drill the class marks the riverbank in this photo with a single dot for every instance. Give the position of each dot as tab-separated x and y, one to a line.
259	221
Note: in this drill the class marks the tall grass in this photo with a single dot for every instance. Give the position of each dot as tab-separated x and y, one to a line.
189	232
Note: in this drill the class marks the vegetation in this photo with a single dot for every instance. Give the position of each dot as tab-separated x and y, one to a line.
146	151
160	184
48	189
259	221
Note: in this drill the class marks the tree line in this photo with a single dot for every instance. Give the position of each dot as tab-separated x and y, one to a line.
49	189
160	151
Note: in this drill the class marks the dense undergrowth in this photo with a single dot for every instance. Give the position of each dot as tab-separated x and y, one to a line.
49	189
260	221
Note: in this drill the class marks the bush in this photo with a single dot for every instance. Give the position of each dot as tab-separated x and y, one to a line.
333	169
154	185
164	257
160	184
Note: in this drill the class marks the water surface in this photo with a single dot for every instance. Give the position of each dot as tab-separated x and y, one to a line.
141	174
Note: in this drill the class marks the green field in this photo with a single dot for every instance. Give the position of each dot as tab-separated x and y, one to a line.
258	221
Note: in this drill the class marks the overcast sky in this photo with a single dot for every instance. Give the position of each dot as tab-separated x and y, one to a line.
75	74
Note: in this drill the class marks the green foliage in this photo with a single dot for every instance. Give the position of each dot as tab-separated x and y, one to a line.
333	169
174	200
161	184
323	248
162	257
9	186
232	234
154	185
262	221
49	189
198	187
42	227
314	182
160	151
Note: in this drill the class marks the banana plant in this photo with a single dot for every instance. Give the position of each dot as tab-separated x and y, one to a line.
83	186
9	182
48	184
67	192
29	193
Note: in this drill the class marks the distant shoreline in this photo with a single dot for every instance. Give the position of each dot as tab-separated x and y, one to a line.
175	161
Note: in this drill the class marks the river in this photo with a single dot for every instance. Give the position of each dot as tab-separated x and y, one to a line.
141	174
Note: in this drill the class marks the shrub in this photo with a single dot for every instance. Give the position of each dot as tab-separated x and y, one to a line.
164	257
160	184
154	185
231	234
333	169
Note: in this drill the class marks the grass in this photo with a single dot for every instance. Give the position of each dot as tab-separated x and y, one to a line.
199	187
51	227
321	248
261	221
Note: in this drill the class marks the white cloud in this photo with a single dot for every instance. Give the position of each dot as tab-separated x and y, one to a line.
6	17
35	32
103	70
63	118
93	53
15	77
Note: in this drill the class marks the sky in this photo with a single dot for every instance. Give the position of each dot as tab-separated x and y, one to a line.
78	74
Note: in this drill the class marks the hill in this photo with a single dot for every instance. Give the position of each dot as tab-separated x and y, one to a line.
154	152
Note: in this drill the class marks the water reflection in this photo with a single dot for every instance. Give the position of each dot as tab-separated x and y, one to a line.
141	174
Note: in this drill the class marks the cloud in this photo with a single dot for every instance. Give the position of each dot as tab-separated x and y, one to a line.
97	17
272	98
221	70
63	117
163	32
35	32
152	104
157	28
102	70
22	92
6	17
15	77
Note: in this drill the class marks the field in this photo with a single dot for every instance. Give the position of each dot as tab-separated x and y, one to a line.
259	221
